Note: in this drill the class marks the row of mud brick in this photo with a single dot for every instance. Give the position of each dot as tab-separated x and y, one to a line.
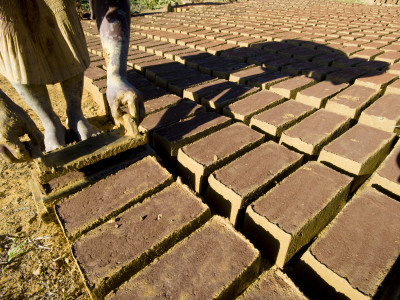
273	164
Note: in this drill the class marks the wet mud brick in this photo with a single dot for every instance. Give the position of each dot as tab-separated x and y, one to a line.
267	80
154	105
112	253
227	96
199	159
177	86
352	101
246	108
318	94
383	114
234	186
272	284
46	195
294	212
387	176
110	196
315	131
376	80
169	139
245	75
356	252
347	75
84	153
289	88
279	118
196	92
393	88
170	115
214	262
359	150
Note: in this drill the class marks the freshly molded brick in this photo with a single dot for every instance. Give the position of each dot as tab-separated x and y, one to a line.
359	150
215	262
393	88
356	253
195	93
267	80
289	88
315	131
383	114
234	186
110	196
201	158
290	215
244	109
376	80
387	175
352	101
279	118
318	94
273	284
168	116
114	251
169	139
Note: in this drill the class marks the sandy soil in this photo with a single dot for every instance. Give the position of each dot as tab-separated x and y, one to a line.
44	268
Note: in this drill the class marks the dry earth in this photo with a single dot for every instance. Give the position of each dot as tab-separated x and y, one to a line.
44	267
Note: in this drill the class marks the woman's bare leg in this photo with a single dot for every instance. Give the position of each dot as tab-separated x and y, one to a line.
37	97
72	89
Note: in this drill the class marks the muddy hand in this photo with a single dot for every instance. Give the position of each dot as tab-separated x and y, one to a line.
126	97
15	123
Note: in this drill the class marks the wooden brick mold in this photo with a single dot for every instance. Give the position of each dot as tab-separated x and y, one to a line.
294	212
352	101
387	176
236	185
383	114
358	151
273	284
199	159
110	196
110	254
215	262
357	251
315	131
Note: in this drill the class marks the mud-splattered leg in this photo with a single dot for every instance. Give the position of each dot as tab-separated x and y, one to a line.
113	21
37	97
72	89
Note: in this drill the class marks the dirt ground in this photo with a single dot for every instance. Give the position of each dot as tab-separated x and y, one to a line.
43	267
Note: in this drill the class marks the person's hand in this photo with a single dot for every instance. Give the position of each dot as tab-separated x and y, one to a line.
121	94
15	123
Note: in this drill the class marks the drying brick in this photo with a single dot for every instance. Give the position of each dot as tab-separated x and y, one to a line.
234	186
215	262
383	114
289	88
294	212
376	80
359	150
358	250
170	115
352	101
279	118
169	139
315	131
246	108
272	284
387	175
318	94
114	251
393	88
199	159
110	196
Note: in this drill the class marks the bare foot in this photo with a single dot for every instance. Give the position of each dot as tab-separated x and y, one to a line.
54	136
82	128
121	93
